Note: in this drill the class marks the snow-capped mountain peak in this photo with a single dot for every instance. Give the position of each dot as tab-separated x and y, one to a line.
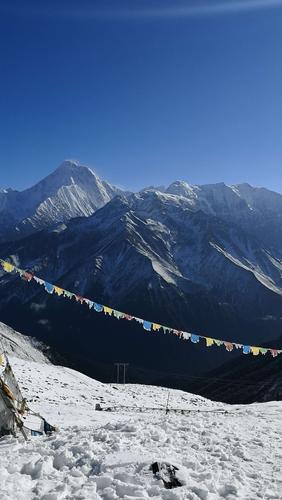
72	170
182	188
72	190
259	198
69	163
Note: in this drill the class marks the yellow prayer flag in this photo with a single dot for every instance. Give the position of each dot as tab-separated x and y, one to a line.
255	350
8	267
108	310
209	341
156	327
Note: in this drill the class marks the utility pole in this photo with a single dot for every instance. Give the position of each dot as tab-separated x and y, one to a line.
124	367
117	365
167	409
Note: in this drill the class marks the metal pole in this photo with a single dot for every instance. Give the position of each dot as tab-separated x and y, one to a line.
120	373
125	365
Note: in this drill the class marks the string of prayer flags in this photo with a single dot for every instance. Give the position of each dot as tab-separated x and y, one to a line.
147	325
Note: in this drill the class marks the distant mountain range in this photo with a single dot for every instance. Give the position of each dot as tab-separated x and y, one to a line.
202	258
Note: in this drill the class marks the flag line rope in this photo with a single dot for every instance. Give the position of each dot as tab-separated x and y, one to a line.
147	325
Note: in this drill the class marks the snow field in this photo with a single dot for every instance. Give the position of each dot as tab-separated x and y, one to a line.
107	455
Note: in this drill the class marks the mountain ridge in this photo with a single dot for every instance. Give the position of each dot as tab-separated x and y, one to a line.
72	190
206	259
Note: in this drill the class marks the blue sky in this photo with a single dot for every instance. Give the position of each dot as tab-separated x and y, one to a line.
146	92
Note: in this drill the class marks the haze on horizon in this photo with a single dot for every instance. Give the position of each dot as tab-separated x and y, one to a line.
145	94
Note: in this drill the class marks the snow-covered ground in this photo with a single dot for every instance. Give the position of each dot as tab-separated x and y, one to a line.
223	452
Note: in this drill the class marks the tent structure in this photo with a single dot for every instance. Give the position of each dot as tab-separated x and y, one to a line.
15	416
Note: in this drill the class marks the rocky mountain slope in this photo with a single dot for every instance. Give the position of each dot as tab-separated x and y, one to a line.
206	259
256	210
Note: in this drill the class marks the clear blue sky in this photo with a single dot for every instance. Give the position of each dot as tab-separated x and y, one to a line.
146	92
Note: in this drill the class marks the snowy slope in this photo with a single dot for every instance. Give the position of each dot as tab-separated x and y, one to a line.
238	200
65	394
21	346
256	210
70	191
223	452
